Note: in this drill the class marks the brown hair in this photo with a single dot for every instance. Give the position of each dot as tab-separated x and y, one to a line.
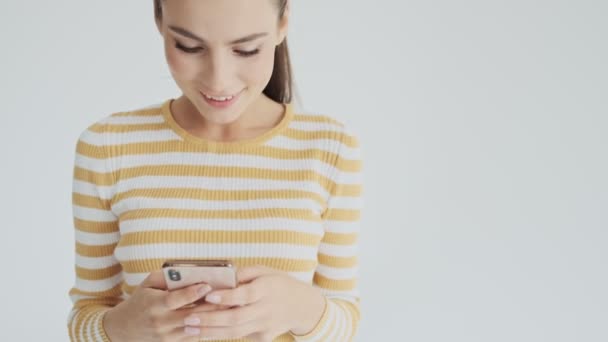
280	86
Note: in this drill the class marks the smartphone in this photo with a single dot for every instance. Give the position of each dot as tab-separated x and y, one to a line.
219	274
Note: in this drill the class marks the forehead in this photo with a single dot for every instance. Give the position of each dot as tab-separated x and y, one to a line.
221	19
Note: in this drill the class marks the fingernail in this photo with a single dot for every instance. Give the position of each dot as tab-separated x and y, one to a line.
215	299
204	289
192	320
192	331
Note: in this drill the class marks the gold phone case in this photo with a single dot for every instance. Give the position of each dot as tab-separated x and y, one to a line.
219	274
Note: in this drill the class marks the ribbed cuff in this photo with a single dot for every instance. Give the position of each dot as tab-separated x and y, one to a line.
100	328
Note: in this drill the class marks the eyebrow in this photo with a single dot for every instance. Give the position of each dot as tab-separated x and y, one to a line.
191	35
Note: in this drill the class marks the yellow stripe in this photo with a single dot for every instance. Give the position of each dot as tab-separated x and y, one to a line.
297	214
97	274
154	111
347	190
81	318
94	251
338	262
113	292
340	238
334	214
90	201
107	179
219	172
334	284
93	177
98	152
219	195
95	226
347	140
206	236
118	128
283	264
316	118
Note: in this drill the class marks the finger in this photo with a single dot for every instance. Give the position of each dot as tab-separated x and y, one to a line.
208	307
181	297
242	295
181	334
225	318
232	332
247	274
155	280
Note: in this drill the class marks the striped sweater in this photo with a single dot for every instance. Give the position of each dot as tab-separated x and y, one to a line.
146	190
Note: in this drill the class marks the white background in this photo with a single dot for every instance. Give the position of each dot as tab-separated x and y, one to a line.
484	131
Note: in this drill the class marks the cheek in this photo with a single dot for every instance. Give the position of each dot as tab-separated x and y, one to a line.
260	70
180	66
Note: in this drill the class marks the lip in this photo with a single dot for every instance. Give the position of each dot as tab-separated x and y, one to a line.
221	104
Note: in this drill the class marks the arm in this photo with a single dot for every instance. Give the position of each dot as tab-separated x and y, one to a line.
337	272
98	280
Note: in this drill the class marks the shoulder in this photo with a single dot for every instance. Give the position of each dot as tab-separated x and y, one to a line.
325	127
100	131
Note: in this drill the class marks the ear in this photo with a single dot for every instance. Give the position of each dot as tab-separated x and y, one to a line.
284	23
158	26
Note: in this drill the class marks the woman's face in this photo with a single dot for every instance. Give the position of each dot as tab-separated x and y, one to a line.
233	58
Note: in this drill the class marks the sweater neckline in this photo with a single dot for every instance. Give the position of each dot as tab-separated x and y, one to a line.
255	141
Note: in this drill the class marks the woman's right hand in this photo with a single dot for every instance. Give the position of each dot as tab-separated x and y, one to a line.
153	314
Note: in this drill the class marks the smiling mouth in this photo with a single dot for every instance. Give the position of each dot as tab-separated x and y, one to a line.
219	98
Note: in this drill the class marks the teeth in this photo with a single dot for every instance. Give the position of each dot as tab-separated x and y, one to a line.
219	98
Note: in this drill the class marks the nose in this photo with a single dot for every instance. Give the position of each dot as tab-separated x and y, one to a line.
218	74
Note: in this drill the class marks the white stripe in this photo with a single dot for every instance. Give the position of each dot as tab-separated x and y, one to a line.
211	159
134	279
211	183
133	119
96	239
349	296
88	328
334	324
269	223
343	323
90	189
95	263
98	285
342	226
338	273
90	214
338	250
80	332
303	276
192	204
128	137
315	126
216	251
343	202
72	321
327	145
97	324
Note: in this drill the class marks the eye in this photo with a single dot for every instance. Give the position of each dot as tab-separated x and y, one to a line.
188	49
248	53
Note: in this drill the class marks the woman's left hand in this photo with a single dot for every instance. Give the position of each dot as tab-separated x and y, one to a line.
266	304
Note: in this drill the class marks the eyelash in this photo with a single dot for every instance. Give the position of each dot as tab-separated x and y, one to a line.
197	49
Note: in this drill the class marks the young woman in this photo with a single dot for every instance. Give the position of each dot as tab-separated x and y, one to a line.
228	170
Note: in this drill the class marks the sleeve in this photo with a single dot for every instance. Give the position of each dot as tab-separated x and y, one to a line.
337	272
98	274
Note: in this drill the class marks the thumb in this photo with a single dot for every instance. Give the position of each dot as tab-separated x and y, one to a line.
247	274
155	280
